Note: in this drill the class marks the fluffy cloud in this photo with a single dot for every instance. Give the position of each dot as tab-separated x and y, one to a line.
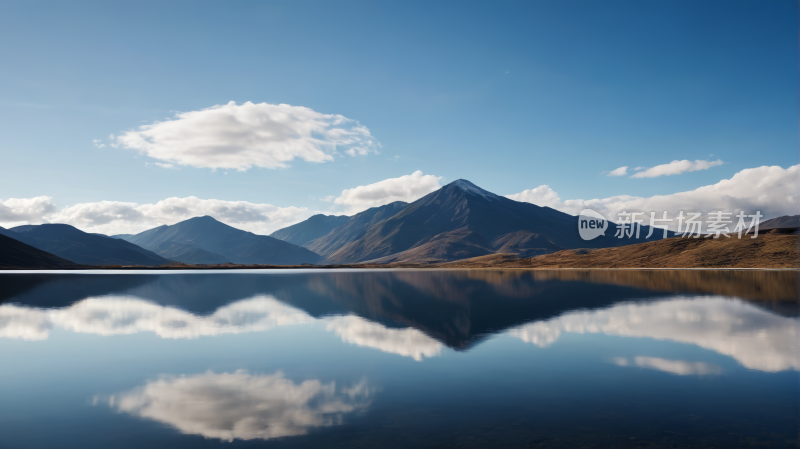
405	188
232	136
115	217
774	191
675	168
240	405
622	171
679	367
753	336
407	342
15	211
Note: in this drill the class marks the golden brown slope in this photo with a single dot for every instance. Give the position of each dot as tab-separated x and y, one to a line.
766	251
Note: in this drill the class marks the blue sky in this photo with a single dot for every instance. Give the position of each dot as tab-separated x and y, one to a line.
510	95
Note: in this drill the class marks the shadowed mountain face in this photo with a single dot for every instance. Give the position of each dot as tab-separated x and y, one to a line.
308	230
461	219
88	249
15	254
206	240
354	229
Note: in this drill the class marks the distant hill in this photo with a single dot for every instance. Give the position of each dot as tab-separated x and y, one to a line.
18	255
18	236
310	229
786	221
459	219
70	243
121	236
206	240
353	229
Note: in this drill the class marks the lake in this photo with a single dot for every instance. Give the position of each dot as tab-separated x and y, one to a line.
400	358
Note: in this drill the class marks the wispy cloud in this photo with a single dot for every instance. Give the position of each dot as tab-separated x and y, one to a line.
98	143
675	168
239	137
622	171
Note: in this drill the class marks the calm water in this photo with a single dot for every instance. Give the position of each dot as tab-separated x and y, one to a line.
373	359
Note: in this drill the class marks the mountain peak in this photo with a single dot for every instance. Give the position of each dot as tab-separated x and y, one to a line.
468	187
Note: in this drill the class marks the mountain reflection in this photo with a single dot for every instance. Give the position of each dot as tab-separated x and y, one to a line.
242	406
416	313
754	337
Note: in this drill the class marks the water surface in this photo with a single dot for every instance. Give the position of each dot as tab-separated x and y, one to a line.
399	358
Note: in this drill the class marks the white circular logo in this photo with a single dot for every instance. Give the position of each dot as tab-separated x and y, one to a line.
591	224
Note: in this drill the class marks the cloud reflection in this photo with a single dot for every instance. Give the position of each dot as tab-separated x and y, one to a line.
754	337
120	315
128	315
242	406
679	367
408	342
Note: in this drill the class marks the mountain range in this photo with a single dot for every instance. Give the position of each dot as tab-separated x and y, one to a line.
458	221
204	240
310	229
83	248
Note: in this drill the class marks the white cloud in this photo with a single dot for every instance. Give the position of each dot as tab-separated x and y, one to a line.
405	188
115	217
674	168
774	191
679	367
754	337
159	164
622	171
540	196
408	342
240	405
17	211
232	136
98	143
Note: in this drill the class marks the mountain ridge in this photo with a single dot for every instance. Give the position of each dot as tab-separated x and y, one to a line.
505	224
70	243
205	239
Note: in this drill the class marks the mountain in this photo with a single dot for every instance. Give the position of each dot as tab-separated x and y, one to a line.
786	221
121	236
310	229
206	240
353	229
484	222
188	253
87	249
18	236
15	254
